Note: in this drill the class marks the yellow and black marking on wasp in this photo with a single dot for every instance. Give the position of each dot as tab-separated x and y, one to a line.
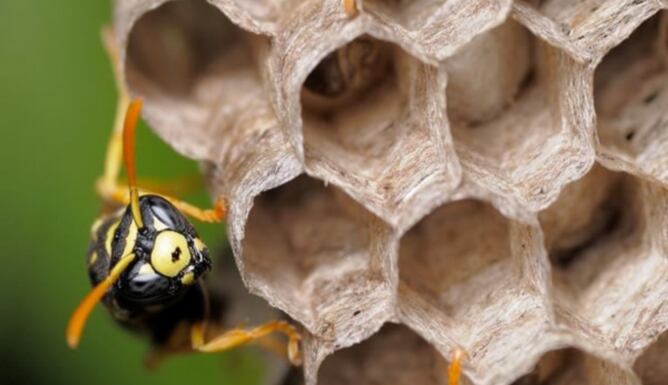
146	260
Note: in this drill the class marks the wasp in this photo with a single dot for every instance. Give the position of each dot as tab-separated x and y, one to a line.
146	262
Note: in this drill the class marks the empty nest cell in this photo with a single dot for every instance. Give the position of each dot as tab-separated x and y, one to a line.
175	47
604	264
461	282
652	365
510	99
373	125
631	94
445	255
595	222
586	211
197	72
312	249
570	366
394	355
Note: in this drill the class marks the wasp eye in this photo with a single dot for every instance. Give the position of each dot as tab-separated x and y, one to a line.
170	253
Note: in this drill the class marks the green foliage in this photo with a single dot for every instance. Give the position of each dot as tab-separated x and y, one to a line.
57	101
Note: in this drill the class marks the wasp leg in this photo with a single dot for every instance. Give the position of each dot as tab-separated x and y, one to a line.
178	187
156	356
237	337
119	194
111	190
455	367
350	7
114	155
273	345
174	188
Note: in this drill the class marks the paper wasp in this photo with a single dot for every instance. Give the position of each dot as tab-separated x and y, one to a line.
146	261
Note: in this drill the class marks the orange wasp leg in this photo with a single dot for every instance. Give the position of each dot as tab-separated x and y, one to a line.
120	195
237	337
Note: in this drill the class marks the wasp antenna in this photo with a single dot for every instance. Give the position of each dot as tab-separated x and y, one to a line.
129	128
350	7
78	319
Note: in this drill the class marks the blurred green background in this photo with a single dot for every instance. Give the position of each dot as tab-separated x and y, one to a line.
57	101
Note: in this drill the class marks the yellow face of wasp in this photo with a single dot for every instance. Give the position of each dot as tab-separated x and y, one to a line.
170	254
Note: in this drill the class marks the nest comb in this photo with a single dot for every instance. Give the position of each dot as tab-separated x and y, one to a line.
493	180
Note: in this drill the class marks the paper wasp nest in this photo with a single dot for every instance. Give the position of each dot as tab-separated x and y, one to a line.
428	175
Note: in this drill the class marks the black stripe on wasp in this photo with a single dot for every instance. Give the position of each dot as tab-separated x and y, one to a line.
146	261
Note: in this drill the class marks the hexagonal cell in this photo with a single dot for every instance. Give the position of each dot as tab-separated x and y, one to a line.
631	94
450	247
321	257
594	226
572	366
197	72
514	117
652	365
373	125
585	211
607	266
462	270
394	355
